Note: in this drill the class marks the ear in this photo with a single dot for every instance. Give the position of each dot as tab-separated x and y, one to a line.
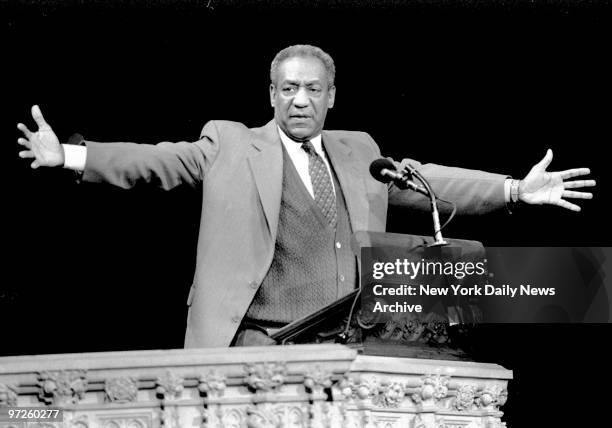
331	97
272	95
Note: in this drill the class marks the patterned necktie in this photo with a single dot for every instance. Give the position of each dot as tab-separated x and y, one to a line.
321	184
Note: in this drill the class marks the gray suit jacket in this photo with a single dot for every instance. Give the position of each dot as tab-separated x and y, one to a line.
240	170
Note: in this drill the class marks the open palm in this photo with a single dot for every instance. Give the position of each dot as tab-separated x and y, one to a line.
43	146
543	187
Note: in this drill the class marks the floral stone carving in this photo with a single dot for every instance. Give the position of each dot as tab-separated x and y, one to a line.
387	394
8	395
212	383
492	396
121	389
434	388
266	376
63	387
169	385
465	399
353	387
318	377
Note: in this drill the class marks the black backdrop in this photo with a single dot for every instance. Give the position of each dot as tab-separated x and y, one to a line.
486	85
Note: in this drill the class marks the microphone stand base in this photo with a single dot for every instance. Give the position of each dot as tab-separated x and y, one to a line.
438	243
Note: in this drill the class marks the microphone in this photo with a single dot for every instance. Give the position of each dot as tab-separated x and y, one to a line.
383	170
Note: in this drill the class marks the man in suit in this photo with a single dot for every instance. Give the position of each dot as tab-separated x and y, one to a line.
280	202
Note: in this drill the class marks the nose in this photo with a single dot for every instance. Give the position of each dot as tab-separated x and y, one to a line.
301	98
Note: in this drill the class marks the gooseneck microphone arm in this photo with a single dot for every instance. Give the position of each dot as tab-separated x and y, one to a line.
384	171
438	239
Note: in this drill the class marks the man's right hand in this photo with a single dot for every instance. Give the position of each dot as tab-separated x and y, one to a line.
43	145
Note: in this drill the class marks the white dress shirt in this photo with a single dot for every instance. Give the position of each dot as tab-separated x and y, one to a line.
300	158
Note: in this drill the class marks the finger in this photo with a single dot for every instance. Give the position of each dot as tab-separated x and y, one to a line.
26	154
543	164
568	205
34	165
579	183
575	172
401	166
24	129
577	195
405	165
23	142
38	117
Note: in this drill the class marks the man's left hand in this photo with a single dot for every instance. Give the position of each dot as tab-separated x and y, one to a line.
543	187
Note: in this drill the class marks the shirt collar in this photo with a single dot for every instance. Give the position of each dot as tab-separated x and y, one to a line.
292	146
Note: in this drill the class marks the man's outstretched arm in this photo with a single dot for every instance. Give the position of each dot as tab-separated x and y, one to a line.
478	192
166	165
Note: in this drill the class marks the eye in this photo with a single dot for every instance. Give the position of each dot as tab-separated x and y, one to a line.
314	90
289	89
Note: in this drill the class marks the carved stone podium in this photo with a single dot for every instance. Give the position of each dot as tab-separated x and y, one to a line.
287	386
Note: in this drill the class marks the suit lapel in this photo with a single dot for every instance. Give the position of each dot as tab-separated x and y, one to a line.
351	180
266	164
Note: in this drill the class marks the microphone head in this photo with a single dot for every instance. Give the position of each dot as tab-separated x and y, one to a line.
377	166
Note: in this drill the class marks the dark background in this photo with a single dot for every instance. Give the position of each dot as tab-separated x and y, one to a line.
486	85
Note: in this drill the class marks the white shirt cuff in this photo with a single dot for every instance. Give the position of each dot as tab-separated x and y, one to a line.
74	157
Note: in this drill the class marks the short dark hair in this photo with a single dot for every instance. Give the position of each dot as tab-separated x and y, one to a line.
304	51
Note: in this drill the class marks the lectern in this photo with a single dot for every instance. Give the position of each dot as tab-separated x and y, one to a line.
439	331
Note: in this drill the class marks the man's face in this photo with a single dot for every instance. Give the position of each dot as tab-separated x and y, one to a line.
301	96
